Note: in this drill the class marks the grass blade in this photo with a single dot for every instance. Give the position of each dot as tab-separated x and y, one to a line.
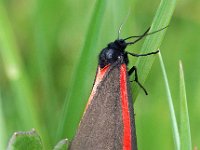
153	42
13	65
77	96
16	74
186	143
171	107
3	136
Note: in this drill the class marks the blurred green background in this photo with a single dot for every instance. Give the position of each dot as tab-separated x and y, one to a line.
40	45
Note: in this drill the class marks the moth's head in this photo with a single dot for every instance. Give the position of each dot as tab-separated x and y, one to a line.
114	51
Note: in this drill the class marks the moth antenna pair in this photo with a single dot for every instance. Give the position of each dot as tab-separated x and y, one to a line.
139	37
143	35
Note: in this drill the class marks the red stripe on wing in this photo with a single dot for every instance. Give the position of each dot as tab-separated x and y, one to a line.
125	108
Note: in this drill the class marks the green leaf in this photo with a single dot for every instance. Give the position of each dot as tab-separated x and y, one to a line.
29	140
77	95
62	145
153	42
171	107
186	143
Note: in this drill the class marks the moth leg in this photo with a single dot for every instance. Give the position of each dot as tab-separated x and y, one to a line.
138	55
134	69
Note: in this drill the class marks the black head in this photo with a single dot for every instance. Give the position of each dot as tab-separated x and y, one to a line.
114	51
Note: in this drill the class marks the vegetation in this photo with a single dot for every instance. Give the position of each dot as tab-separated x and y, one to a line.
48	57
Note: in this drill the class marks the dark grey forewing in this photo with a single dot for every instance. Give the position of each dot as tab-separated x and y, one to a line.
101	127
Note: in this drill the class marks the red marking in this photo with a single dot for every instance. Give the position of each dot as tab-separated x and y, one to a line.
99	76
125	109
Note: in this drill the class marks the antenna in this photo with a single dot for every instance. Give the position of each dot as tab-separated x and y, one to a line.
143	35
120	30
123	22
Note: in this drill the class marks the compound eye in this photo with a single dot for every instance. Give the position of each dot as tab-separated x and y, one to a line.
109	54
119	57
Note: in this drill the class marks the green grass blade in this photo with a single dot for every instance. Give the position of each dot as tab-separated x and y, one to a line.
186	143
153	42
78	92
3	133
16	74
13	66
171	107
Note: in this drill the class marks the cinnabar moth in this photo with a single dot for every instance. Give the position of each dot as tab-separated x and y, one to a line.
108	122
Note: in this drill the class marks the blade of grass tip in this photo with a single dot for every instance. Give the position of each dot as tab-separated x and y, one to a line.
78	92
2	127
153	42
171	107
26	104
186	143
